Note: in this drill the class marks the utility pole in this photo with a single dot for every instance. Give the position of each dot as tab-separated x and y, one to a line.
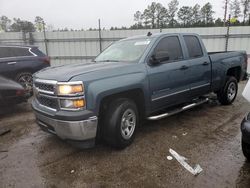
100	36
45	40
225	13
228	31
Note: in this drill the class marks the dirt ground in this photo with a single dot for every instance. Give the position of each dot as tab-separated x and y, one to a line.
208	135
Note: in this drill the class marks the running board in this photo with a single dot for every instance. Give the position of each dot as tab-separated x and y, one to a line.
178	110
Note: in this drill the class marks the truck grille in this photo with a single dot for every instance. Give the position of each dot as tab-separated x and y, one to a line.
48	102
44	91
44	86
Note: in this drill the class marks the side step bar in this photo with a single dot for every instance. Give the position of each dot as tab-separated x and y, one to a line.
178	110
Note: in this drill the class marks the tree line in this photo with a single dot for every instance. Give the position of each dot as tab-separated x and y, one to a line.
18	25
158	16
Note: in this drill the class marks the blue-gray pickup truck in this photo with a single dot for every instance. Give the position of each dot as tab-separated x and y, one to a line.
143	77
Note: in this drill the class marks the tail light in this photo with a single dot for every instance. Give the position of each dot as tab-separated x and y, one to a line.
46	60
20	92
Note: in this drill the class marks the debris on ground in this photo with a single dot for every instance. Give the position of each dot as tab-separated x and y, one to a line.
184	134
182	160
4	131
72	171
169	157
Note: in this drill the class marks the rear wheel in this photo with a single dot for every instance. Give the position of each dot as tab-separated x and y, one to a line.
120	122
228	93
26	80
246	149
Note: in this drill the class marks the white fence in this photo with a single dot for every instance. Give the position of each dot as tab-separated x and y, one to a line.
82	46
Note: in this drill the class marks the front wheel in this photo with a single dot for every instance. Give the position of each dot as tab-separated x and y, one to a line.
120	123
228	93
26	80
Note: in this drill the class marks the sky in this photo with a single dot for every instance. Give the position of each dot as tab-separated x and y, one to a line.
83	14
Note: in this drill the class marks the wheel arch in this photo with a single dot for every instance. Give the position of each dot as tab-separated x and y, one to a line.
235	72
136	95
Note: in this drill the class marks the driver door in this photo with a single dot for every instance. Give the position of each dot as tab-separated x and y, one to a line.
169	80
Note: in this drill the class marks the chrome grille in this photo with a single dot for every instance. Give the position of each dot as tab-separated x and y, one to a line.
44	86
48	102
44	91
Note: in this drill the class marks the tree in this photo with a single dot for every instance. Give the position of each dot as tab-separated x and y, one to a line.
185	14
5	23
39	23
235	9
246	6
196	15
172	10
207	14
218	22
161	15
146	18
138	17
22	25
154	16
149	14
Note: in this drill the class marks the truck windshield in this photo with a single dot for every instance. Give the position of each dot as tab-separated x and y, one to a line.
127	50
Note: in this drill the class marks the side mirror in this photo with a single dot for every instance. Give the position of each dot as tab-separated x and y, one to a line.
159	57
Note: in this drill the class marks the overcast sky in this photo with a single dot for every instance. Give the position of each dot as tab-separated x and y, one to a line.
84	14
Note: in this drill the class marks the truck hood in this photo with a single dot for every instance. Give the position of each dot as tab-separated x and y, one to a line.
66	72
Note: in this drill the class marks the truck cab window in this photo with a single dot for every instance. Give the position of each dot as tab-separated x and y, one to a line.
193	46
172	46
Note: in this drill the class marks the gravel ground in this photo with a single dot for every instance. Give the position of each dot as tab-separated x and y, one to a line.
208	135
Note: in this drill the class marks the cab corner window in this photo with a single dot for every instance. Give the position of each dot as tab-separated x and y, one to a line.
193	46
171	46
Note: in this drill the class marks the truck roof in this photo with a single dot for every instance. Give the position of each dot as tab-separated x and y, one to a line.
156	35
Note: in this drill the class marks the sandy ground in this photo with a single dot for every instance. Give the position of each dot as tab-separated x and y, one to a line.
208	135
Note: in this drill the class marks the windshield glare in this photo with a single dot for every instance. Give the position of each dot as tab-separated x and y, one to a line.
127	50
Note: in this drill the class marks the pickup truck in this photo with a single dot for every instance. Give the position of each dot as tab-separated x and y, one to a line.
142	77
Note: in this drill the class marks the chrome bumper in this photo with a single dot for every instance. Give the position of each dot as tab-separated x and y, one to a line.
72	130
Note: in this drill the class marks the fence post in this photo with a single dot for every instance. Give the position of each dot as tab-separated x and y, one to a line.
24	37
31	38
100	36
45	40
228	31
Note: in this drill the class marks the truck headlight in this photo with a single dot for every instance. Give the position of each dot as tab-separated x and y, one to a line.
72	103
70	88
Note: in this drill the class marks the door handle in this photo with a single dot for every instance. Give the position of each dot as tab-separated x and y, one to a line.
184	67
205	63
11	63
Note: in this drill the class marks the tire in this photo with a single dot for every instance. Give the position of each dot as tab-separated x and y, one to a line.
26	80
228	93
120	122
246	149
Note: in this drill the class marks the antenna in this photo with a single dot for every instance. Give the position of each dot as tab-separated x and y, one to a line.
149	34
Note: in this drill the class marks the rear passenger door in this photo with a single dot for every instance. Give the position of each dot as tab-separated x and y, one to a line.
12	60
200	66
6	62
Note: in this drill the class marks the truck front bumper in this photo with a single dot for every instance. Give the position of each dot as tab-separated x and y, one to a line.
69	130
